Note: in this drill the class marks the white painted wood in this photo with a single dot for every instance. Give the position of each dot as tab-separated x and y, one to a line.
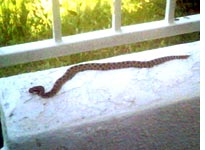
170	11
57	33
116	15
117	109
95	40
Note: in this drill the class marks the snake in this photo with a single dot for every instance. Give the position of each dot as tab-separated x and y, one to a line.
72	71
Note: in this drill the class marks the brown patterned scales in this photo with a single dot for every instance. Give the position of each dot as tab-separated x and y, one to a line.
71	72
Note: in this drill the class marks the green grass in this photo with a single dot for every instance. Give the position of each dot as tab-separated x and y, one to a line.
25	20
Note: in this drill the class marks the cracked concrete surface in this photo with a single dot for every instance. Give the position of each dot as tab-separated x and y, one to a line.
94	100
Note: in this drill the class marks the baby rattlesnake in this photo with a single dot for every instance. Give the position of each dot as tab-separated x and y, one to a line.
70	73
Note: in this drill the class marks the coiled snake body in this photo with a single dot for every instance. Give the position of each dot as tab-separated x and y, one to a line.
70	73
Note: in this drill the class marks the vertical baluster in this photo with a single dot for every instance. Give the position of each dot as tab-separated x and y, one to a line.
170	11
116	15
57	35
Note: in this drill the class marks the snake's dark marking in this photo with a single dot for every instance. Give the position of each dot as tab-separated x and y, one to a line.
71	72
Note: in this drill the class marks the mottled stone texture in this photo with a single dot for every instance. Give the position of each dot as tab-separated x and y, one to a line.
128	109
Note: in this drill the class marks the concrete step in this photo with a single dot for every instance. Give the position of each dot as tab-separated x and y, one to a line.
134	109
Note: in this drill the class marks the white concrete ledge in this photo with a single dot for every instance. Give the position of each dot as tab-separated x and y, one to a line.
156	108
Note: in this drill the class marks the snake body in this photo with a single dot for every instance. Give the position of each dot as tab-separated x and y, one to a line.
71	72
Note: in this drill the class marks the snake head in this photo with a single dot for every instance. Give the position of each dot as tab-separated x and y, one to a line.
39	90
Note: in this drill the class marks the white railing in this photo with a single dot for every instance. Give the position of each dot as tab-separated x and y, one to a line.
117	35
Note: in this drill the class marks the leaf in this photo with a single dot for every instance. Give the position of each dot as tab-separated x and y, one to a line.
72	12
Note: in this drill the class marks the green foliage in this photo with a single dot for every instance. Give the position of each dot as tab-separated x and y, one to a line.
140	11
23	21
30	20
80	16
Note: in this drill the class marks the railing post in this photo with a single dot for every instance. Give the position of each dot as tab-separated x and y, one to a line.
57	35
170	11
116	15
